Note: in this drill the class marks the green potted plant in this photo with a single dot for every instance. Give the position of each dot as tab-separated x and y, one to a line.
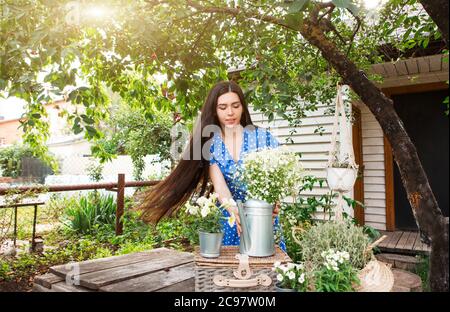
291	277
207	219
336	273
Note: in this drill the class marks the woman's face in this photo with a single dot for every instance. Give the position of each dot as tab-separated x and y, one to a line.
229	110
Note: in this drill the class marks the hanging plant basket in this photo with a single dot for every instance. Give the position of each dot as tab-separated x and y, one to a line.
341	179
341	168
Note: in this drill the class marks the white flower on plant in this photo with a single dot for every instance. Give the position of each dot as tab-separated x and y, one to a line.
277	264
205	211
202	201
346	255
191	209
290	265
291	275
279	277
301	278
271	173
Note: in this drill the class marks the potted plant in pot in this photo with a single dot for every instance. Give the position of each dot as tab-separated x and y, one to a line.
291	277
269	175
336	274
341	175
207	215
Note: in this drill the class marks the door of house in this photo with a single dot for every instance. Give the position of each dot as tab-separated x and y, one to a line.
358	189
423	115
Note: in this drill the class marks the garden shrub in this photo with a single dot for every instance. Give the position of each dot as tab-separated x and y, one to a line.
5	271
11	160
90	212
342	236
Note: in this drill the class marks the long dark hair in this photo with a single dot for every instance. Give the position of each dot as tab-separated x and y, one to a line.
190	174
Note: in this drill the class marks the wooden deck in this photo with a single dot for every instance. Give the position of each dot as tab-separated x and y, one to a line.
403	242
160	269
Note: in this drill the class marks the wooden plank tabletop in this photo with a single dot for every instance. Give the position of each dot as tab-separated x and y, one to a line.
109	262
95	280
155	281
159	269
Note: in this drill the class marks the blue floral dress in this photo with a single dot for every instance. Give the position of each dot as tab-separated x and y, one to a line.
254	138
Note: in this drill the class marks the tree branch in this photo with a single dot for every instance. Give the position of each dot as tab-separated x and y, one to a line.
352	38
237	11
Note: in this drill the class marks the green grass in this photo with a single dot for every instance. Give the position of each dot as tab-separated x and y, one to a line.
422	269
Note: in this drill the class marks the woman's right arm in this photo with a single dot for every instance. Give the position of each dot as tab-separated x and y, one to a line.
221	188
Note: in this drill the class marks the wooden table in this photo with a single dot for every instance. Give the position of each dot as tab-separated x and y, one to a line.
160	269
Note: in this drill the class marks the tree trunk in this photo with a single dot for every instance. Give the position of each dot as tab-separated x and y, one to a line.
428	216
438	11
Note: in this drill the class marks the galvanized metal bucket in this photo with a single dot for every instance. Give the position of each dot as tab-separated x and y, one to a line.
257	228
210	244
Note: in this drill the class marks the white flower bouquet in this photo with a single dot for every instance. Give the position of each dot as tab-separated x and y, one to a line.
208	213
271	174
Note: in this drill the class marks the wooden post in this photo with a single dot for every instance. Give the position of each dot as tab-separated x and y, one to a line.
33	243
15	226
120	203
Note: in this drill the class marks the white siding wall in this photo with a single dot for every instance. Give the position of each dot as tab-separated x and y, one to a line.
374	172
313	146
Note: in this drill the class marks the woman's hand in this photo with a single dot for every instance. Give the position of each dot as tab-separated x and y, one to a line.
276	210
235	211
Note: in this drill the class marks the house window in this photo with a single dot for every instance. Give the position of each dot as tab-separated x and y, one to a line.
2	141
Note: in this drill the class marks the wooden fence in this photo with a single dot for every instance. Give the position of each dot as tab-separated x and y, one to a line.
118	187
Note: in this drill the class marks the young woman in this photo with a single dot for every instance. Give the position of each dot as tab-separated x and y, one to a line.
223	135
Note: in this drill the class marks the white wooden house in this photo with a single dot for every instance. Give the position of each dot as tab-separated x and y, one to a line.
420	84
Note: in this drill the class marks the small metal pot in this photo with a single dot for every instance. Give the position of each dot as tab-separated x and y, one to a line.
210	244
278	288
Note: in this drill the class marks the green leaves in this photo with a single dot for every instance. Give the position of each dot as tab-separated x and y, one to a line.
92	132
191	53
90	212
341	3
87	119
297	6
347	4
11	160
